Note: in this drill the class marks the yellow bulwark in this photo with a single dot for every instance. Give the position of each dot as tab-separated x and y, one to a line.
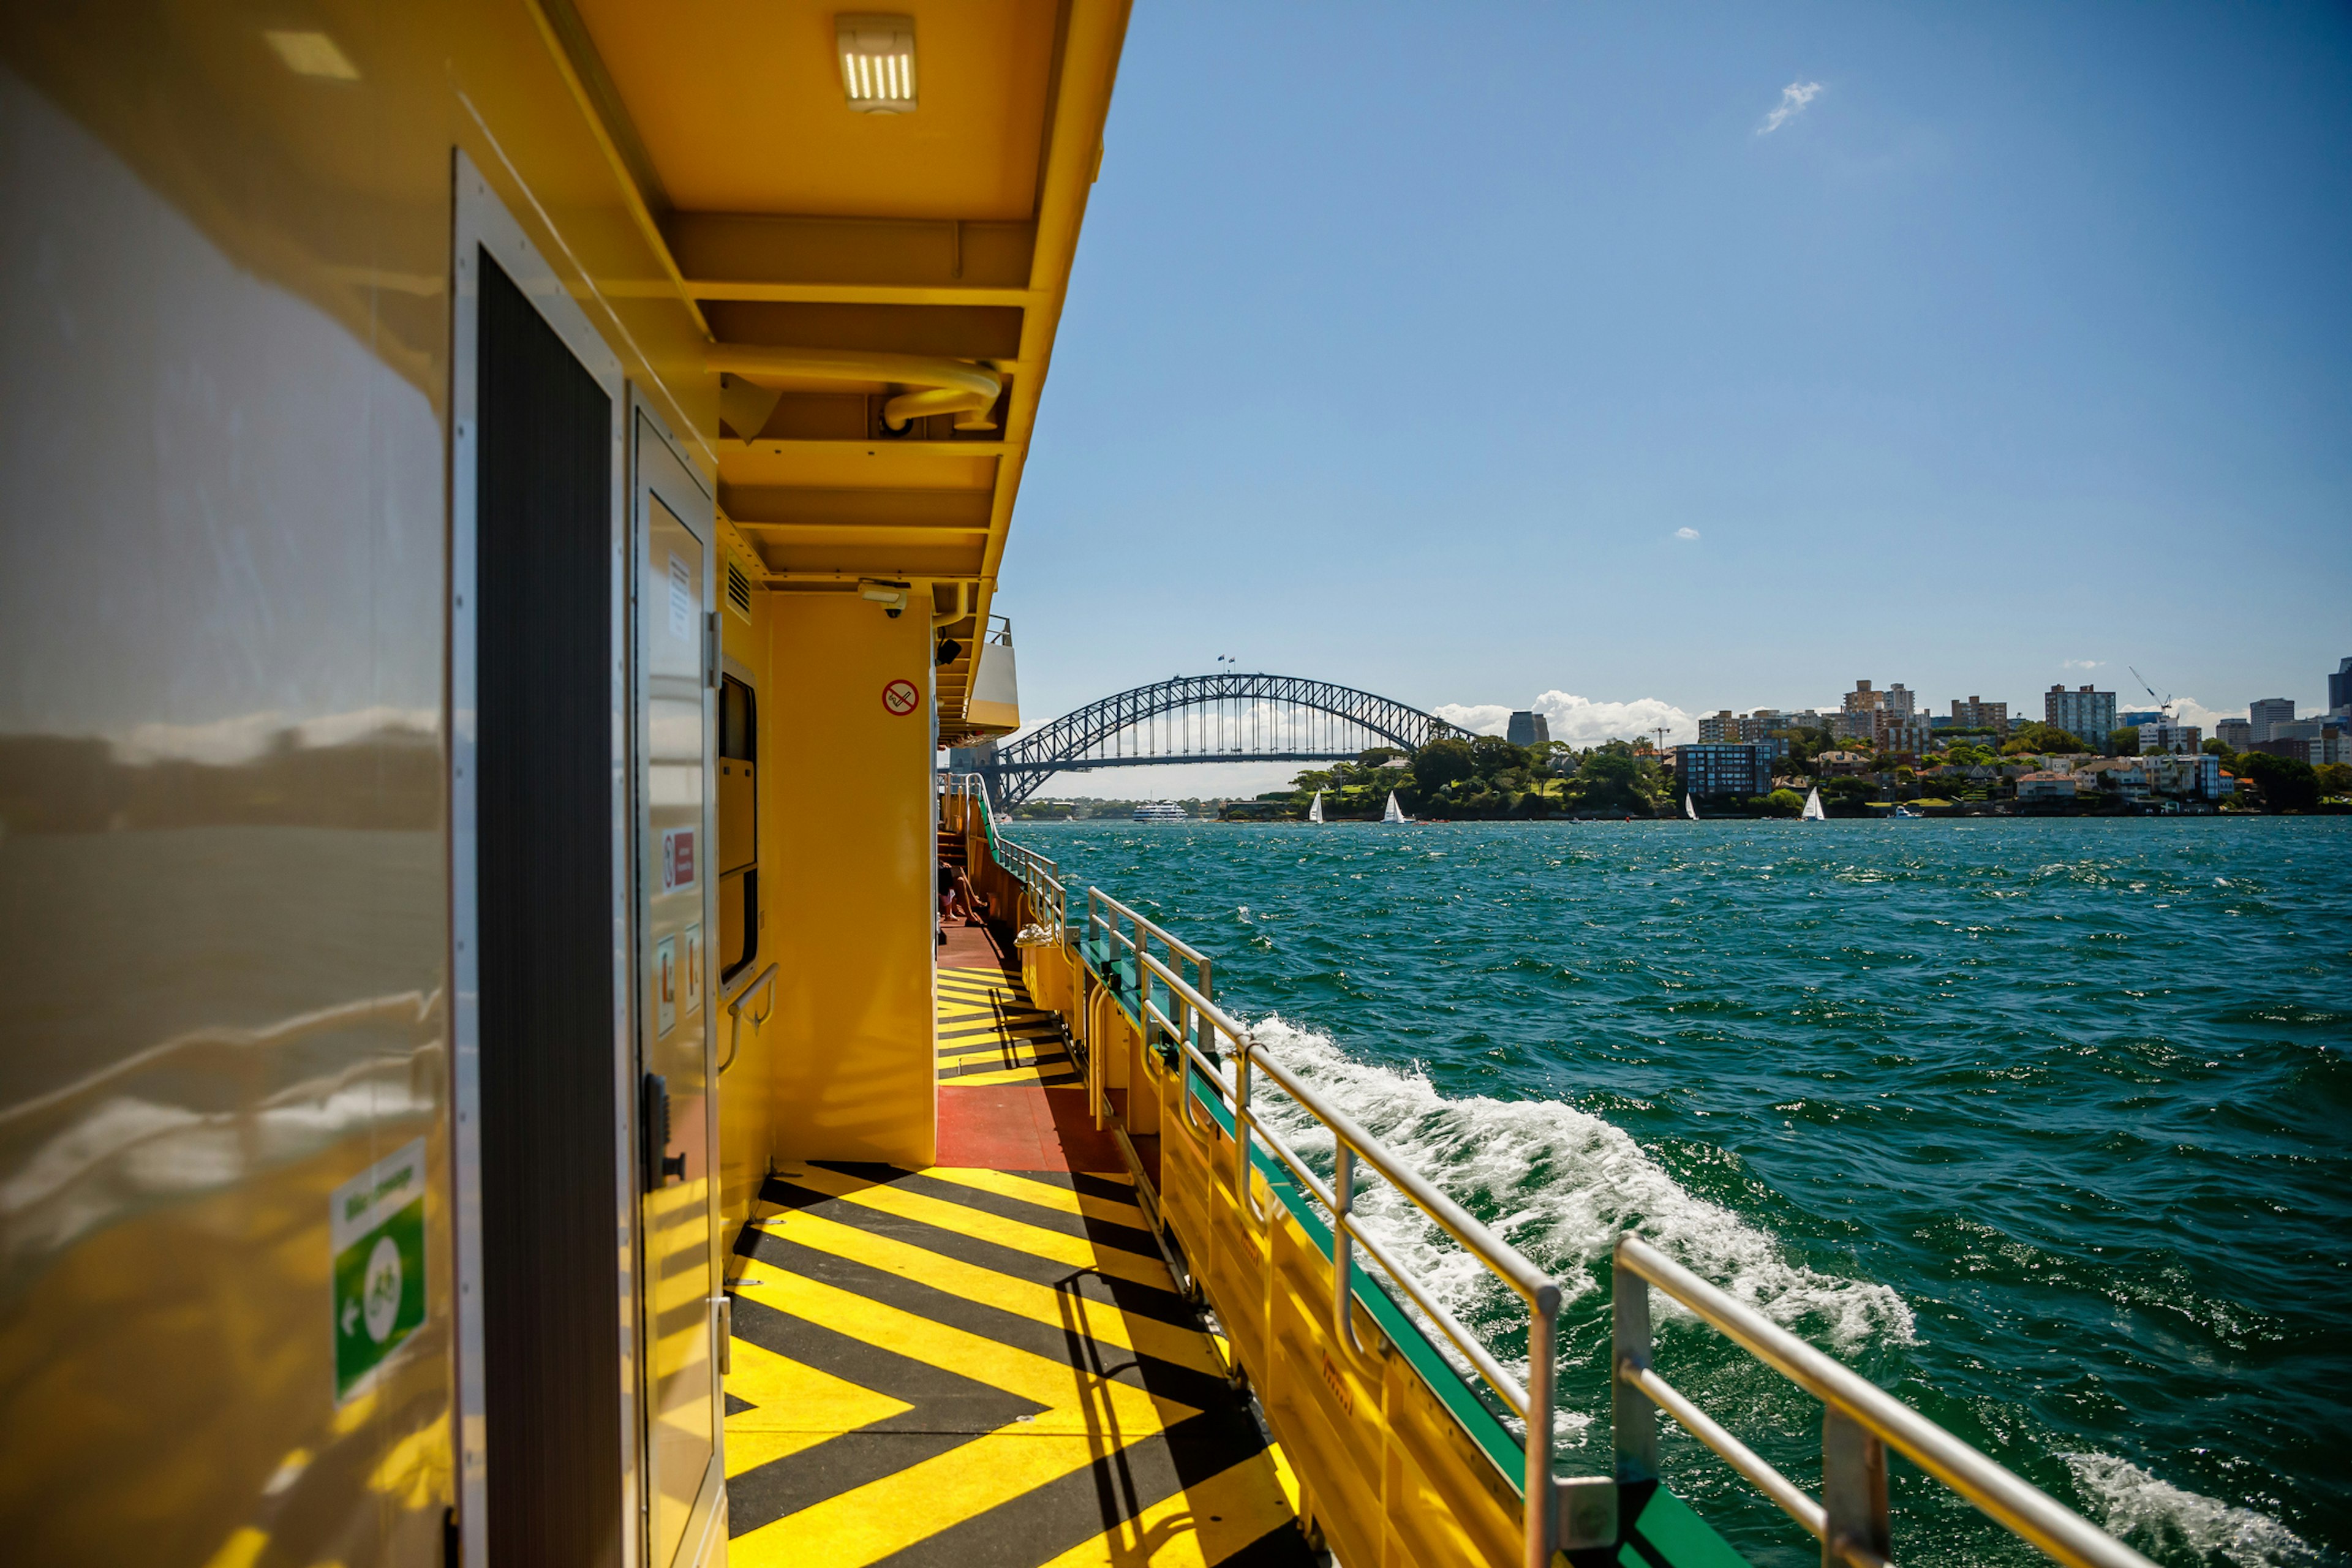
971	1366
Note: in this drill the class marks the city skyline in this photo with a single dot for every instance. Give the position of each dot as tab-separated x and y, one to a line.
1582	721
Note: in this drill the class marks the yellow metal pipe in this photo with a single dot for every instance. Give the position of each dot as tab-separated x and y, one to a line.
948	385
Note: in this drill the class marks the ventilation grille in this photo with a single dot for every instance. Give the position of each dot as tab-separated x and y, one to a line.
739	590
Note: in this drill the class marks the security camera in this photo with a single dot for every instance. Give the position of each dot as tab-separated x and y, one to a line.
890	594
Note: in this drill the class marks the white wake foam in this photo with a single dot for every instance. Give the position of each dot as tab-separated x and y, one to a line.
1563	1183
2155	1516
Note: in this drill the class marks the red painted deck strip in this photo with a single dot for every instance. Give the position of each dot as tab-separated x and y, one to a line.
978	947
1023	1127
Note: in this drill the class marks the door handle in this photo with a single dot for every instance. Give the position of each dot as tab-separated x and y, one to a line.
653	1134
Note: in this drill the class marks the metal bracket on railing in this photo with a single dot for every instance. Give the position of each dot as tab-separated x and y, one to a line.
1585	1514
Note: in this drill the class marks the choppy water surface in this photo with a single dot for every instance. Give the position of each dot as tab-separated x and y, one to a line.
2042	1125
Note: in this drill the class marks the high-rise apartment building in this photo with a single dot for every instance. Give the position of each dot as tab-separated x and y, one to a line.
2267	711
2083	713
2339	688
2235	733
1892	730
1977	713
1707	771
1858	718
1528	728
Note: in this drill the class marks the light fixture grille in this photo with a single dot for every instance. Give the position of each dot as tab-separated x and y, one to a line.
877	63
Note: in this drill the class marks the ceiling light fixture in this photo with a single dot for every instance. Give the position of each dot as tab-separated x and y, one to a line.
312	54
877	63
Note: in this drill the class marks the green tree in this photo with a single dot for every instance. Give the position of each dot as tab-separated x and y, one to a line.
2123	740
2286	783
1781	803
1441	763
2335	778
2038	739
1615	778
1496	756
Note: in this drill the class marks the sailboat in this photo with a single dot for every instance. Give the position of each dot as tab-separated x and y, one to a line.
1395	813
1315	812
1813	812
1689	809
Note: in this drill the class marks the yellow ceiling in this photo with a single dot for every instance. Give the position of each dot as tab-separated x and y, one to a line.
787	220
738	104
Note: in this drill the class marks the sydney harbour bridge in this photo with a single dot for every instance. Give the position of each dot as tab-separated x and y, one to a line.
1228	718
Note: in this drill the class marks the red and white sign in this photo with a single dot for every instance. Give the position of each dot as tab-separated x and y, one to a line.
678	860
900	698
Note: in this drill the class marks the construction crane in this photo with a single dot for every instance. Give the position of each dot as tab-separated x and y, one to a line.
2163	704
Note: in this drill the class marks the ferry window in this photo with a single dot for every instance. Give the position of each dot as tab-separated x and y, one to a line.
738	827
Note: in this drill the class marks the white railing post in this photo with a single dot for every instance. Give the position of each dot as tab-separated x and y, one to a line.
1343	1246
1538	1501
1634	1420
1854	1492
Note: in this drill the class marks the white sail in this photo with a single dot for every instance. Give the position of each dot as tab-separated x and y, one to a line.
1315	812
1813	812
1689	810
1395	813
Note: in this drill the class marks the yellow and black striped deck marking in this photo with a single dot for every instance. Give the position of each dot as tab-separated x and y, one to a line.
983	1369
990	1033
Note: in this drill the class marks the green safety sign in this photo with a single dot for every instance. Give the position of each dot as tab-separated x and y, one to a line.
376	1228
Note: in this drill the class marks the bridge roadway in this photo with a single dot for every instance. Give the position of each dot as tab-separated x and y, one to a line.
1229	718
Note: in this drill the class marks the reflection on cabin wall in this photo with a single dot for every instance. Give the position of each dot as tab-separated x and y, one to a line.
223	861
223	890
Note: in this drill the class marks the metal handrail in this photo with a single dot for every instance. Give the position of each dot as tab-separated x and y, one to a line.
1041	878
1533	1402
1860	1422
766	982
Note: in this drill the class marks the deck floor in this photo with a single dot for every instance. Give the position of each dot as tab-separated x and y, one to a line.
985	1365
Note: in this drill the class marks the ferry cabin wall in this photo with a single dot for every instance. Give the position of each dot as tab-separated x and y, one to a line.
852	906
748	1090
222	742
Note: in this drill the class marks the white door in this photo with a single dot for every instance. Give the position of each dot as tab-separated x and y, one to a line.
676	852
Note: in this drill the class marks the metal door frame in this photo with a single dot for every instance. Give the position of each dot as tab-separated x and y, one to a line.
645	423
481	222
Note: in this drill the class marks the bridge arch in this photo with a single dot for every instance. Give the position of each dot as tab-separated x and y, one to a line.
1243	719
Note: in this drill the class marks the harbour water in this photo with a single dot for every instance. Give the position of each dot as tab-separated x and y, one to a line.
2039	1124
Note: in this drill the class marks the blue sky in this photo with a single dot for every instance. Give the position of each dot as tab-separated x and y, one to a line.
1469	353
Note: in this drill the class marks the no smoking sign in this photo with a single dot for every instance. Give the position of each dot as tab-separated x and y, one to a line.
900	698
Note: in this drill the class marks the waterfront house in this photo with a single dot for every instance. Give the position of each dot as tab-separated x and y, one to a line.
2046	784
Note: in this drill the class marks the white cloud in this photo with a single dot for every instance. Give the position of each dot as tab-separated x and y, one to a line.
2188	710
2081	663
1579	721
1793	98
1687	533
